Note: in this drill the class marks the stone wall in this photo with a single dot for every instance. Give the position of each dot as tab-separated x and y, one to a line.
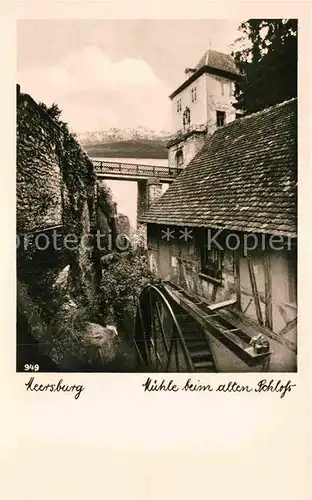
55	187
197	108
187	146
220	97
149	190
213	93
38	173
57	201
123	224
106	215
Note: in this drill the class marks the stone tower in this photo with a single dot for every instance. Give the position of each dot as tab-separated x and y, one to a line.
203	102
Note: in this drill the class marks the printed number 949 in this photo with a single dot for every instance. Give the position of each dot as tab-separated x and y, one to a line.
31	368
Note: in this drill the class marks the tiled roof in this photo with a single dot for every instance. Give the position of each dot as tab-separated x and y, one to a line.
217	60
211	62
244	178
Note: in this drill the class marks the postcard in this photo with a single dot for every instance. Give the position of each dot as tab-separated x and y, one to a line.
157	287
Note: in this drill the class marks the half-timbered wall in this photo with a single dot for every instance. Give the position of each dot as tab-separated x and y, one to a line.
275	278
179	261
263	282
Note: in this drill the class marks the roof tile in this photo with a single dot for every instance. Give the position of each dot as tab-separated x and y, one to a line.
217	60
244	178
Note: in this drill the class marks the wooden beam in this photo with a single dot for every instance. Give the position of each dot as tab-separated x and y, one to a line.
138	353
272	335
254	289
237	281
147	352
177	355
214	292
247	307
161	327
287	328
221	305
153	337
268	291
283	312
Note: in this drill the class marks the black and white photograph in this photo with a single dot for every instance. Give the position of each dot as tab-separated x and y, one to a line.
156	195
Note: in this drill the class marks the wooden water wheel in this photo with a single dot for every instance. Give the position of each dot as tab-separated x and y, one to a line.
167	339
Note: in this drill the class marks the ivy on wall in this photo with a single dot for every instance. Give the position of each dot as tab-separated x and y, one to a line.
56	186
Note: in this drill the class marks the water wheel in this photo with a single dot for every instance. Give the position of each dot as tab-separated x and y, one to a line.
157	335
167	339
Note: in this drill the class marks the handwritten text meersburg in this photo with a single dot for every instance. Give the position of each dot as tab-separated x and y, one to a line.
60	386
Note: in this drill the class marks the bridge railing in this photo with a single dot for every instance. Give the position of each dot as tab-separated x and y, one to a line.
134	169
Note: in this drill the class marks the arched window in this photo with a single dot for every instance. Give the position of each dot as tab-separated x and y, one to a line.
187	117
179	158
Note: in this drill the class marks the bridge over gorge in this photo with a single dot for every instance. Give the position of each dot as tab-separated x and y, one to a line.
149	178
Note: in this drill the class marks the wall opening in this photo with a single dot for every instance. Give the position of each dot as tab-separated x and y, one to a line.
220	118
179	158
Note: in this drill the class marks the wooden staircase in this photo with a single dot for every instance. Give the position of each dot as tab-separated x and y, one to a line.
195	339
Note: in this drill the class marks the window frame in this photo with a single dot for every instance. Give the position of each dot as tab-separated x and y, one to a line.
186	117
219	114
211	261
193	94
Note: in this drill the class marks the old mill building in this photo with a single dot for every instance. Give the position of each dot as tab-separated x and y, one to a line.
223	237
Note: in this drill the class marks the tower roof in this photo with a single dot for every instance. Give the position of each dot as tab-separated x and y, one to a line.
217	60
213	62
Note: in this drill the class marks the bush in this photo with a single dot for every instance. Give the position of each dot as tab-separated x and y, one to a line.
123	281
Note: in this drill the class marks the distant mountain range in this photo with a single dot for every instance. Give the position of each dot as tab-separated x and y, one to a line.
126	143
121	134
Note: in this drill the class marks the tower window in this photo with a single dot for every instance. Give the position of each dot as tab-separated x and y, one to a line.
179	105
193	94
220	118
179	158
186	117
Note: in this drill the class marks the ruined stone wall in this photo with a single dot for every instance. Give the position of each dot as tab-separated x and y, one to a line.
123	224
55	187
56	200
38	173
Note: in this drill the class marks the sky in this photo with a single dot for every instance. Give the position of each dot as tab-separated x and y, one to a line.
113	73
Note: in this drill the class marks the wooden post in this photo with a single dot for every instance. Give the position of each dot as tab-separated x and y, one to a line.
237	280
254	289
288	327
268	291
214	292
